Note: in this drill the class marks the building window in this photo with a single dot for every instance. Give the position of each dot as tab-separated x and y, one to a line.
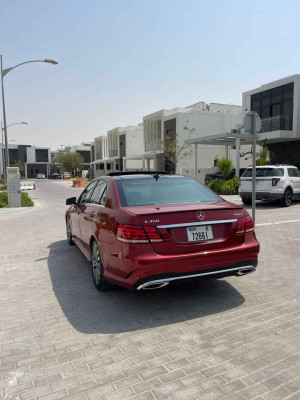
86	155
275	107
41	155
13	155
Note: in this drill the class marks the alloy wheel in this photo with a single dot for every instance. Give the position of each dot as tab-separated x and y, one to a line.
288	197
96	264
69	234
68	231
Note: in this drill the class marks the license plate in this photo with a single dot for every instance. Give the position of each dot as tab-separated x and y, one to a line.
199	233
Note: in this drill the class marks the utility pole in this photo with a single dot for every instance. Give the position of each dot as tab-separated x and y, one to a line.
4	122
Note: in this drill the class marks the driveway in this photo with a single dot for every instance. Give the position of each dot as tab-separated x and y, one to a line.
235	338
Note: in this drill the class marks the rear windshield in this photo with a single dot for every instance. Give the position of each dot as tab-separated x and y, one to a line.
166	190
264	172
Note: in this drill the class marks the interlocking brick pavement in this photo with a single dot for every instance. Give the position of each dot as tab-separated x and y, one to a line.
233	339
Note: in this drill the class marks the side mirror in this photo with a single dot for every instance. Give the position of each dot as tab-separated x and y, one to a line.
70	201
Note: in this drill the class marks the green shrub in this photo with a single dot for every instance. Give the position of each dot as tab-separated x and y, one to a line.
25	200
231	186
225	166
216	185
220	186
3	187
3	199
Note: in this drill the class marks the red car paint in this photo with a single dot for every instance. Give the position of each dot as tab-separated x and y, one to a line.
169	254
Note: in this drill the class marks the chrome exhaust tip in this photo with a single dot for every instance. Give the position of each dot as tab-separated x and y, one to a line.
152	285
245	271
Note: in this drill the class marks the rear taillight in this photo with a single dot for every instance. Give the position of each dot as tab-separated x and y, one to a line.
138	234
244	224
153	234
275	181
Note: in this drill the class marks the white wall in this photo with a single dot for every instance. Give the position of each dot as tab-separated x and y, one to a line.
134	146
30	155
207	123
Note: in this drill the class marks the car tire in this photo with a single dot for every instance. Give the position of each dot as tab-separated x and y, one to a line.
97	269
247	202
286	201
69	234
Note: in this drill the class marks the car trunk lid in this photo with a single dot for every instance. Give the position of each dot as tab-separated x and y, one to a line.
187	228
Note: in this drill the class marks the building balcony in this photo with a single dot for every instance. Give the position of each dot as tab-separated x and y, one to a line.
153	146
113	153
284	123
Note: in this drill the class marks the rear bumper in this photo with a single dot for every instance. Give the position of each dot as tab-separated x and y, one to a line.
269	196
160	280
146	266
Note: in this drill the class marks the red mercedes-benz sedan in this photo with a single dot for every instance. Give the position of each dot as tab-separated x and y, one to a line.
144	231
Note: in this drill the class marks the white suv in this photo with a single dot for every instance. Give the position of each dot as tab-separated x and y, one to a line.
273	182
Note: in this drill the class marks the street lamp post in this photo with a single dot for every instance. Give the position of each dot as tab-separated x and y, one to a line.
3	73
4	120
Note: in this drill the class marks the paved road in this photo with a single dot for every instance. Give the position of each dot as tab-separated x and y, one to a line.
236	338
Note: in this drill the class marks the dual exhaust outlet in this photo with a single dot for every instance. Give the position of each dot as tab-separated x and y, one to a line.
160	283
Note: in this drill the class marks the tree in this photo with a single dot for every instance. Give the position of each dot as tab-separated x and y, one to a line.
174	150
225	166
69	161
18	164
262	157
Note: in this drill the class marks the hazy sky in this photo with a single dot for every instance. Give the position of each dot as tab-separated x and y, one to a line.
122	59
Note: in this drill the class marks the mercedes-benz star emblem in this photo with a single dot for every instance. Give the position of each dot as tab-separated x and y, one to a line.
200	215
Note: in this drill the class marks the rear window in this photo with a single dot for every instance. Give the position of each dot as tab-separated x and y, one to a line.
264	172
294	172
171	190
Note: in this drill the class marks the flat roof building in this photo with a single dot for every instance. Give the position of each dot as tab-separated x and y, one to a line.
278	105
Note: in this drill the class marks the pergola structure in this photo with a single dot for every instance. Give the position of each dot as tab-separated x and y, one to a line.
225	139
145	158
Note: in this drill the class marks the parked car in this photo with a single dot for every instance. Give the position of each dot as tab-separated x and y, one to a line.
41	176
55	175
219	175
144	231
273	182
67	175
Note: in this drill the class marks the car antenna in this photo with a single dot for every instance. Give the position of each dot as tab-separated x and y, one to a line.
156	176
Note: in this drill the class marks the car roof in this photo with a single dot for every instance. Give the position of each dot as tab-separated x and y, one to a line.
139	175
145	176
274	166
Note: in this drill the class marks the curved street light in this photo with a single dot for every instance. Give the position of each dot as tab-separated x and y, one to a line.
3	73
47	60
17	123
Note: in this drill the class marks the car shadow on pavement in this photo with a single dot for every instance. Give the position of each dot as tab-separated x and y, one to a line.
121	310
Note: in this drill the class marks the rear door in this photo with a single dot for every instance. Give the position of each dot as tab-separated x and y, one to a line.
187	228
93	213
294	175
79	209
